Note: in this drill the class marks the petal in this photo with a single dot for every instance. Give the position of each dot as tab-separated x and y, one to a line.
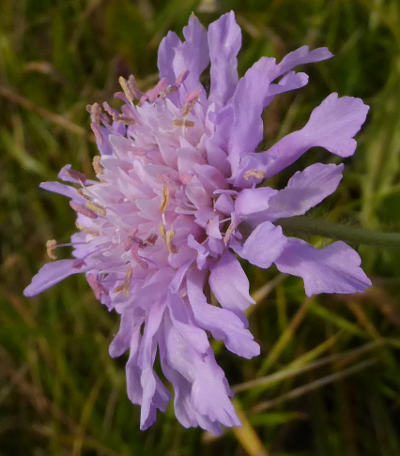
224	41
210	392
263	246
291	81
182	321
193	54
222	323
127	335
332	125
62	189
334	269
302	56
229	284
155	396
253	200
175	57
52	273
305	189
201	386
248	103
166	53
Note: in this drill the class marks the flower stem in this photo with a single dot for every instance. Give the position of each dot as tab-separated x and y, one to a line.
307	225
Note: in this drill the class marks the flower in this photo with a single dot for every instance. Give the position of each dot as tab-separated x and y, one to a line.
178	198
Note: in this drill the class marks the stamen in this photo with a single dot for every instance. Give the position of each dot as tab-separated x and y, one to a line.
97	165
126	89
116	116
81	192
51	245
95	112
86	230
165	199
127	283
231	228
162	231
99	210
168	90
151	240
76	175
168	239
183	123
257	173
181	77
82	209
97	287
133	87
125	120
191	100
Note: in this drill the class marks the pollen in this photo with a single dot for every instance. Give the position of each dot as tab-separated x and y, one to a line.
257	173
96	208
183	123
127	283
97	166
168	240
126	89
168	236
51	245
165	199
86	230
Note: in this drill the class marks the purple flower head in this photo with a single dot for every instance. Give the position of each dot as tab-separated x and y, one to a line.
178	198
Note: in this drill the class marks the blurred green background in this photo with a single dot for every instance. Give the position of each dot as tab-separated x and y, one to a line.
330	366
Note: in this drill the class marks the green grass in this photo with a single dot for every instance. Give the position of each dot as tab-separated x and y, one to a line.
329	373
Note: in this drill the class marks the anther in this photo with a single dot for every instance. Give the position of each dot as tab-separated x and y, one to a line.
99	210
51	245
82	209
183	123
82	193
231	228
151	240
126	89
168	240
190	101
96	165
165	199
86	230
257	173
127	283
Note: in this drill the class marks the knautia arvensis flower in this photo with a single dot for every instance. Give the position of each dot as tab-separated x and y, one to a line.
178	198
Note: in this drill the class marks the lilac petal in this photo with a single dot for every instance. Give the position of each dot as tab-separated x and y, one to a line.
251	200
166	53
229	284
200	381
143	385
62	189
332	125
192	55
195	48
334	269
182	321
291	81
263	246
224	41
305	189
127	335
248	103
155	396
209	393
222	323
302	56
52	273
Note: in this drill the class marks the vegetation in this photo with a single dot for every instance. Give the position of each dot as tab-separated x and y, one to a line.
328	380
